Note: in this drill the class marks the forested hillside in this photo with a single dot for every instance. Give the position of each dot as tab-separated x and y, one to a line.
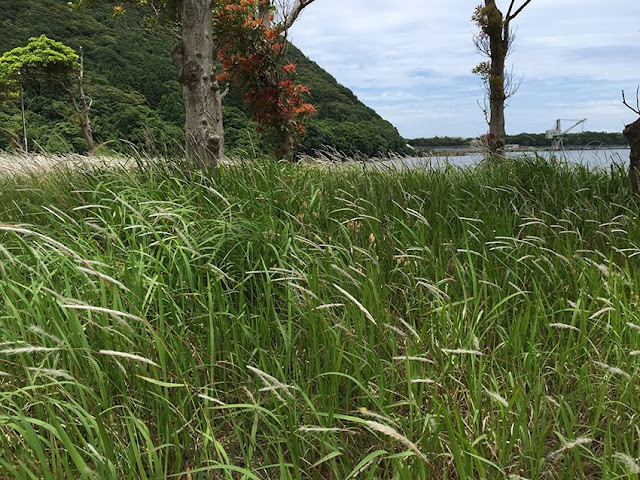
136	97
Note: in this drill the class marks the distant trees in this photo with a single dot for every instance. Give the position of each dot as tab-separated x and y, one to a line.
494	41
581	139
43	59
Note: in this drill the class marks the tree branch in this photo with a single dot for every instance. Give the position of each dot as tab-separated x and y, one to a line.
293	15
511	17
624	102
509	10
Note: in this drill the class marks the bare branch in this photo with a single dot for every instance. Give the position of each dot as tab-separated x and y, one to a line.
511	17
511	85
509	10
293	15
482	45
485	109
624	102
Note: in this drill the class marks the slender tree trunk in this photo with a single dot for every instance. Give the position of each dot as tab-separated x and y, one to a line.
498	39
82	109
632	134
83	112
285	143
194	59
87	131
25	141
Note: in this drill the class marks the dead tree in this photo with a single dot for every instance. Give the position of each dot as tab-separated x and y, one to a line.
632	133
81	104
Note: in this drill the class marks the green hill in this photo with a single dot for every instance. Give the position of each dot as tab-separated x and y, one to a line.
136	97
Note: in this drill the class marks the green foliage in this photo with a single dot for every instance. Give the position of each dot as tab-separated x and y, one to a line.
439	142
342	121
572	139
129	74
41	57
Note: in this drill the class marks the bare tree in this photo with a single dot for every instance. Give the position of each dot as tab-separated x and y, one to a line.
632	133
494	40
81	104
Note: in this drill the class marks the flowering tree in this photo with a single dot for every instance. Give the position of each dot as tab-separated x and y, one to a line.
494	41
251	48
43	59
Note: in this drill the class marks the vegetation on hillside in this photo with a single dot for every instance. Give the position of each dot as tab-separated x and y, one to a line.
286	321
136	97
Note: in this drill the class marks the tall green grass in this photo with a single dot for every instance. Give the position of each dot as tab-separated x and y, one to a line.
287	321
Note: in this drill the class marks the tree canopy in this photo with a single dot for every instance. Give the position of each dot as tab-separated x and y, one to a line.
40	57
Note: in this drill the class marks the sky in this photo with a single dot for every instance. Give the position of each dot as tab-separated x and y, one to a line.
411	61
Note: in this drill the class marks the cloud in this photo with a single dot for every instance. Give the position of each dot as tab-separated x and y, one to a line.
411	61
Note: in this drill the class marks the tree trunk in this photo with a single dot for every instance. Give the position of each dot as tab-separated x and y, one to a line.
285	145
85	125
632	134
83	110
499	46
25	142
194	59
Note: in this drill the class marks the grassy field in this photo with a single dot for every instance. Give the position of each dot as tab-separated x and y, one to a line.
285	321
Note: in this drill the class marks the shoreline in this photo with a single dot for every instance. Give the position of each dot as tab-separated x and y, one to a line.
466	150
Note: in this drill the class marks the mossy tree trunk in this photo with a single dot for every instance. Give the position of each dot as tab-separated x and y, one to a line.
495	41
499	48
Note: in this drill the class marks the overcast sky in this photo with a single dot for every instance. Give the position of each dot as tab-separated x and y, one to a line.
411	61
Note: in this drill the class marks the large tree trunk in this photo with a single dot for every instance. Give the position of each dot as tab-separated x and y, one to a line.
499	46
285	145
632	134
194	59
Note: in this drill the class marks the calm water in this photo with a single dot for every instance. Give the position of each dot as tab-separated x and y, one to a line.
601	158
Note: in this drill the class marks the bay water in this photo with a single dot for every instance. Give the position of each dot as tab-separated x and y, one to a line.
593	158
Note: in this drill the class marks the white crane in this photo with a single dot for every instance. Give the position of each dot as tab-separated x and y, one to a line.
556	134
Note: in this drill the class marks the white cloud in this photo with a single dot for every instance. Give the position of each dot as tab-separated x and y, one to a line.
411	61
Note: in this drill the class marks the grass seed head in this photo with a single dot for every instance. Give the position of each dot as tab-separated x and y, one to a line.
392	433
628	461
